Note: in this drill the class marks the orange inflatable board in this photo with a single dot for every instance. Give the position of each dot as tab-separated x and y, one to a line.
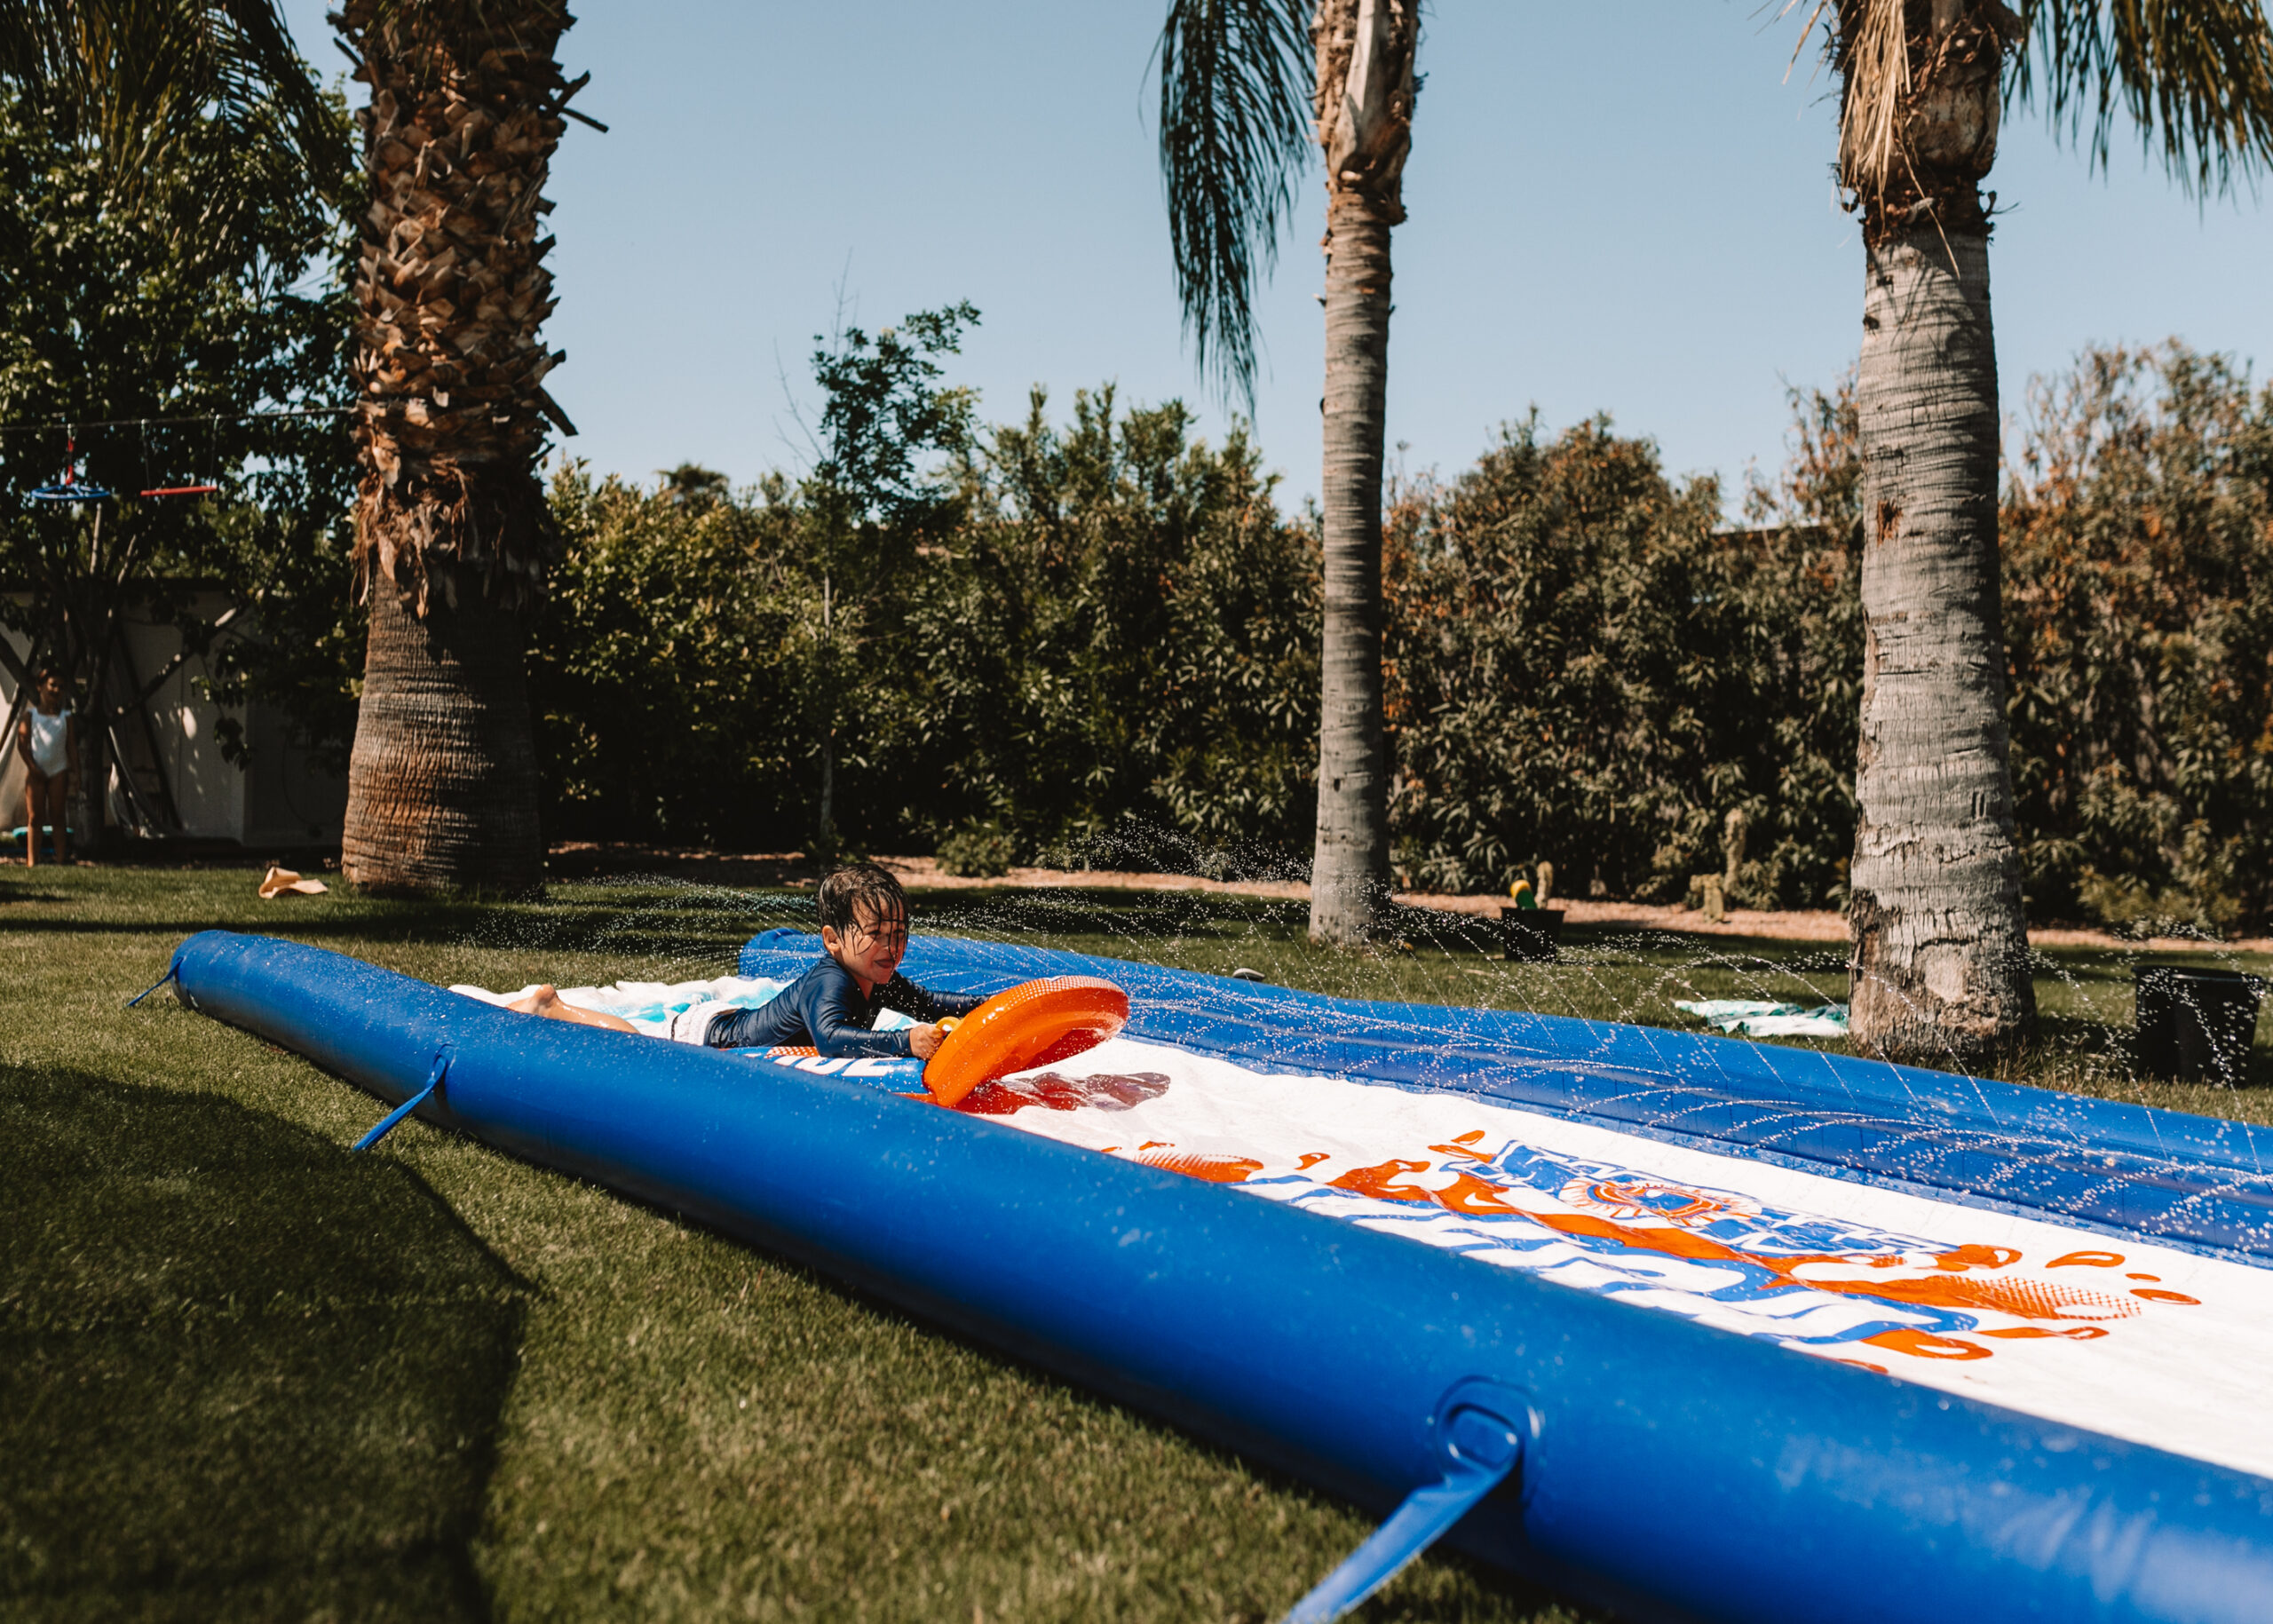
1035	1023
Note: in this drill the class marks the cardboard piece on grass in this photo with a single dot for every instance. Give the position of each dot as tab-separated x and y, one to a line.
284	882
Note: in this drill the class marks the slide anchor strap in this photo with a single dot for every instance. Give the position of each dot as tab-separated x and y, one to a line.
386	1124
1490	1453
173	974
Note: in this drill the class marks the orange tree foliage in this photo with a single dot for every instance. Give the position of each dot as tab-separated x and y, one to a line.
1091	633
2138	567
1585	668
1104	638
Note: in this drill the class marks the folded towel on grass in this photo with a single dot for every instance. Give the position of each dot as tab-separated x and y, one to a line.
1750	1019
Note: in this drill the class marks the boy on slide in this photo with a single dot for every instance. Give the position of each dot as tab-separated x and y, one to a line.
833	1006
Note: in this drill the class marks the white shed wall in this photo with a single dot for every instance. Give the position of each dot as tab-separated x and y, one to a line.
282	798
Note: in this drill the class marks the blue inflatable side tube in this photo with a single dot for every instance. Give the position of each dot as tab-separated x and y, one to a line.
1664	1469
2124	1169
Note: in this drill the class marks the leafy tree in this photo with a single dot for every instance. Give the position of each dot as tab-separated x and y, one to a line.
1941	967
691	485
2136	557
663	708
2138	565
1236	126
872	501
1121	625
1067	627
167	316
1585	669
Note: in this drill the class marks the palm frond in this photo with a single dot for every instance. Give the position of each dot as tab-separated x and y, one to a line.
1874	54
141	70
2196	75
1235	135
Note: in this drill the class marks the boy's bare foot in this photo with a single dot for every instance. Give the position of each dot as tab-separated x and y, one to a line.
537	1000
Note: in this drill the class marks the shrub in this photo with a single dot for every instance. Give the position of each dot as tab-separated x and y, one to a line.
1584	668
664	708
1121	624
975	852
2138	564
1081	625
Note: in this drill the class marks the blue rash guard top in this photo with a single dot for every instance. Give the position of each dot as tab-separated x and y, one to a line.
825	1008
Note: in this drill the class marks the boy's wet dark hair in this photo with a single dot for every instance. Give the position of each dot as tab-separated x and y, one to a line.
860	888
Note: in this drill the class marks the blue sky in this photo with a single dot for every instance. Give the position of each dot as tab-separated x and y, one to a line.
1622	207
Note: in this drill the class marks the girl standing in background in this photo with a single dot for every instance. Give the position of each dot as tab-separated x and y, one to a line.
48	739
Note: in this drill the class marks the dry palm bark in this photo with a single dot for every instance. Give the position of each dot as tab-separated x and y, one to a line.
452	531
1364	125
1940	965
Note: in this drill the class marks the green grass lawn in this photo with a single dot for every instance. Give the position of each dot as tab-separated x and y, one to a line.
243	1375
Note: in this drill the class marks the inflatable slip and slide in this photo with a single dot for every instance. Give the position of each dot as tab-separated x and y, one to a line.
1683	1326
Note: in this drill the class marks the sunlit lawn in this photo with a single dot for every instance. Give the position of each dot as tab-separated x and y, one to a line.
244	1375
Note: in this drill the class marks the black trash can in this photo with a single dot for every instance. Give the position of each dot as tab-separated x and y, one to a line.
1530	935
2193	1022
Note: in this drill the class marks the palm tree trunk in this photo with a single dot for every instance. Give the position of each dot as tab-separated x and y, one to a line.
452	529
1349	871
444	770
1364	125
1940	966
1941	948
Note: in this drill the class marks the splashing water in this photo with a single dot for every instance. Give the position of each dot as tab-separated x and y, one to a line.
1156	896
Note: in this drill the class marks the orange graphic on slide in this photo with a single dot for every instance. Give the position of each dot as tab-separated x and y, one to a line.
1656	1215
1962	1278
1380	1181
1199	1164
1470	1194
1649	1198
1947	1287
1924	1346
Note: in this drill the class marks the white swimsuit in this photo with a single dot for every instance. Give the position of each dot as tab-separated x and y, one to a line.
51	752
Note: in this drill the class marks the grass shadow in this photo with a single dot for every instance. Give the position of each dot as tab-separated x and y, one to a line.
242	1375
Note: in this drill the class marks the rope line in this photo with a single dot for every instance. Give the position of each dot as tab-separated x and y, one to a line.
209	417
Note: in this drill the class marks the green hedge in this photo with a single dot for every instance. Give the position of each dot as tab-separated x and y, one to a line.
2138	562
1584	669
1097	625
1098	639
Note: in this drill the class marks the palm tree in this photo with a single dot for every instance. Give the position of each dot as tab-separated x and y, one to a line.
1940	965
1235	130
451	532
